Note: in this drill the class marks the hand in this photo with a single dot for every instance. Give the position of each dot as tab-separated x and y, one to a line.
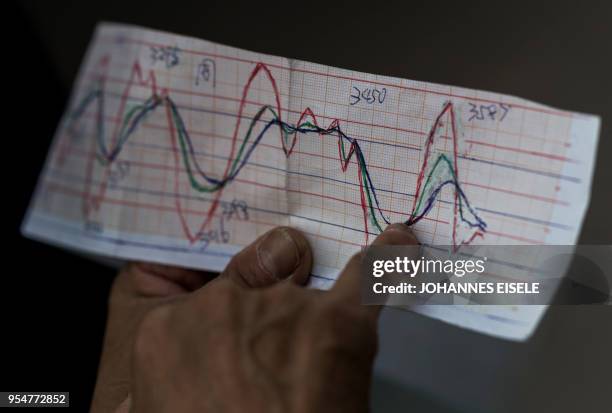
227	348
137	290
140	287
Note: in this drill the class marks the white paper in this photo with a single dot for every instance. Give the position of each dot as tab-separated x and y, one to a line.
153	161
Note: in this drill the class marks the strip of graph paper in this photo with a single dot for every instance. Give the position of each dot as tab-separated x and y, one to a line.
183	151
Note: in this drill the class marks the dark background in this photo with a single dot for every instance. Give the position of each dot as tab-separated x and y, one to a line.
558	53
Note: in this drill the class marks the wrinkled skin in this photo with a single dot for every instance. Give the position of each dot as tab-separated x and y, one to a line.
252	339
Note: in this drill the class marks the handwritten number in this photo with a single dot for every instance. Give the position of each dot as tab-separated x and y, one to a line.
167	54
119	171
356	96
505	108
368	95
475	113
206	72
234	210
494	111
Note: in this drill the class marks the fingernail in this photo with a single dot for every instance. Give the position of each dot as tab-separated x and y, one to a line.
278	253
397	233
398	226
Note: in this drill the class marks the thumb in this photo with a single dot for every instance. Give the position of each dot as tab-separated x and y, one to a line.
281	253
348	285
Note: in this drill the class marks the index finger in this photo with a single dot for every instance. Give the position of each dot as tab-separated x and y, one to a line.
348	285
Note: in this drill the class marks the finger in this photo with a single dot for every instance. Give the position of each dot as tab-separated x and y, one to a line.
348	285
281	253
158	279
124	407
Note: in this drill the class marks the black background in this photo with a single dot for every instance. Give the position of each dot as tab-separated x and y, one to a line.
559	53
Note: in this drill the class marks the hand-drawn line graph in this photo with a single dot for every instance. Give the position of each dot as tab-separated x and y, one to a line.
182	151
433	176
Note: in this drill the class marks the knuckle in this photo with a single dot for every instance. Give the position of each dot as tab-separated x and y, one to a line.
221	301
340	312
287	296
151	335
329	320
220	292
226	292
341	328
286	291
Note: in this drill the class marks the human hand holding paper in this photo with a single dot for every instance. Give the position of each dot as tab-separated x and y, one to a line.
252	339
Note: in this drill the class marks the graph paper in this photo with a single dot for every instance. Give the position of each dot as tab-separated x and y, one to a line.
183	151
